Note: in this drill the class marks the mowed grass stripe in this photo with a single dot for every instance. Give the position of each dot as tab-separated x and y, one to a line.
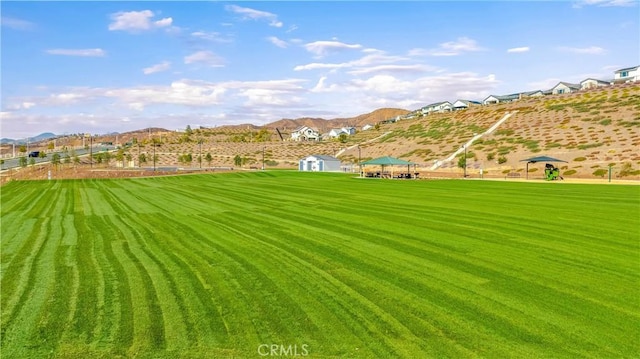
354	268
377	271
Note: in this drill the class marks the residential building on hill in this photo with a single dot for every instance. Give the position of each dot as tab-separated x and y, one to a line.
564	87
629	74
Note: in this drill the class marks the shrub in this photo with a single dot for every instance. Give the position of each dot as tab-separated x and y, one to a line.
579	159
502	159
569	172
491	156
600	172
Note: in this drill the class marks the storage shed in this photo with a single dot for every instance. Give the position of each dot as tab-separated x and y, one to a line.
319	163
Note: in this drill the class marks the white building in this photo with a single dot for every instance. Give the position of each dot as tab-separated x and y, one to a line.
319	163
464	104
564	87
305	133
438	107
629	74
593	83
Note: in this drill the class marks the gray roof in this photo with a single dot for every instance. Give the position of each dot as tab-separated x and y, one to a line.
628	68
591	78
569	85
325	157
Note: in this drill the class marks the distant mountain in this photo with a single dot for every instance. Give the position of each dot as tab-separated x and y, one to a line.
41	137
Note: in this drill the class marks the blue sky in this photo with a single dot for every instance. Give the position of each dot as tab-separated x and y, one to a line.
98	67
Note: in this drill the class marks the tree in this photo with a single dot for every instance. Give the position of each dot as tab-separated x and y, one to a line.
42	154
237	160
22	148
188	130
76	159
51	146
32	161
377	126
55	159
343	137
462	162
142	158
23	162
208	158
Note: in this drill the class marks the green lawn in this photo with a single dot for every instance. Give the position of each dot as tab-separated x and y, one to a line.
328	265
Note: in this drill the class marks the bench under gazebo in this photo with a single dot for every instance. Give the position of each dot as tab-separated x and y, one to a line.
387	163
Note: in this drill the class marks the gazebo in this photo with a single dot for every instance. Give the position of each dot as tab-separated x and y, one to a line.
390	161
540	159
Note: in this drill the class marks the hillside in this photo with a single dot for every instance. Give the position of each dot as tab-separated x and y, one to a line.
589	129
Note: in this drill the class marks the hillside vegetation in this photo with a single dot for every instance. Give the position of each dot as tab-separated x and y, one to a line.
591	130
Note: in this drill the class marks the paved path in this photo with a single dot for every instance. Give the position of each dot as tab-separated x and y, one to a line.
470	142
355	146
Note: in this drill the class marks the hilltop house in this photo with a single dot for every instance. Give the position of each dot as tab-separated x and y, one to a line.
464	104
367	127
305	133
319	163
564	87
591	83
336	132
438	107
629	74
493	99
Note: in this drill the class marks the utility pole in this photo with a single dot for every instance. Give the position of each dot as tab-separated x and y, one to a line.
465	161
91	150
154	155
359	165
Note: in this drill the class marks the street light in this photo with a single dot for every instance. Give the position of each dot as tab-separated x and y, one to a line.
91	150
359	165
465	160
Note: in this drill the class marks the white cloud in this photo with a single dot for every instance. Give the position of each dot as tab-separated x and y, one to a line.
210	36
207	58
16	24
280	43
248	13
450	48
392	68
322	48
580	3
376	61
519	49
591	50
163	66
134	21
77	52
543	84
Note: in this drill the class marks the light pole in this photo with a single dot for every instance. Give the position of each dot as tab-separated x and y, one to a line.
154	155
91	150
465	160
359	165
